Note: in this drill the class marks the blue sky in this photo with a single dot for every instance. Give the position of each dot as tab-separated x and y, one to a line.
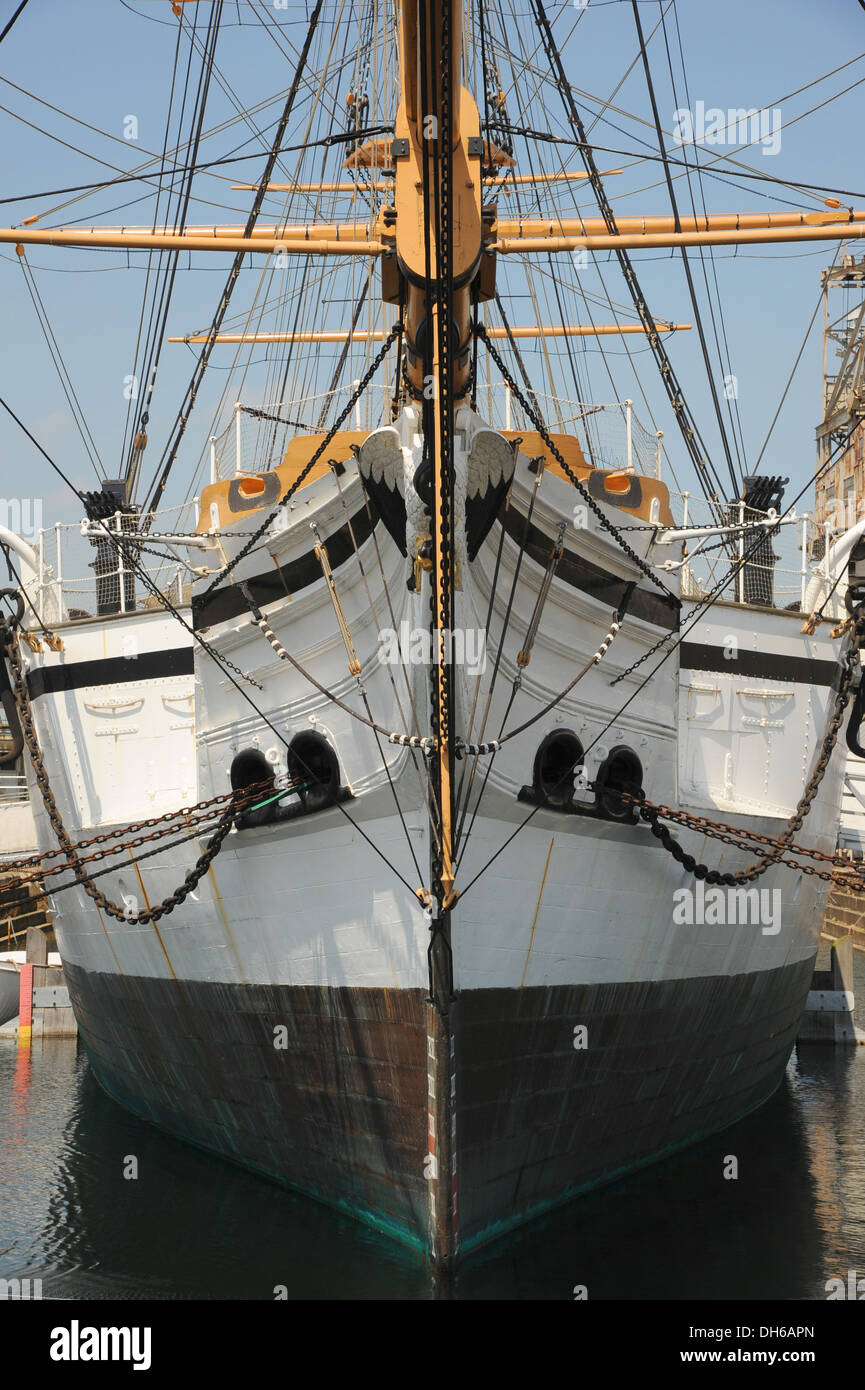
102	60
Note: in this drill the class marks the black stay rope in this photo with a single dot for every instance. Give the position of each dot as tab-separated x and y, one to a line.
227	666
593	506
8	25
704	347
685	420
306	470
185	411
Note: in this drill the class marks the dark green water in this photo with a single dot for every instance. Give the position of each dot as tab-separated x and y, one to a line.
193	1227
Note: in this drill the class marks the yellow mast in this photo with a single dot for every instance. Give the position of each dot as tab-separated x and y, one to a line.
417	142
437	253
525	227
499	179
378	335
522	238
436	124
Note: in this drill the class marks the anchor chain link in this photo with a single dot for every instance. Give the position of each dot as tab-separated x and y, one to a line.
654	815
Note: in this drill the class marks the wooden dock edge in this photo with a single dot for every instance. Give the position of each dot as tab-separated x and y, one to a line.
828	1016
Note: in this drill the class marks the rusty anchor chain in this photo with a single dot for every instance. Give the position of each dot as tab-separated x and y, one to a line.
777	848
8	641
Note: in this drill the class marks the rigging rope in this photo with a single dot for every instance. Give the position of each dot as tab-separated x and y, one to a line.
553	560
223	662
183	416
731	398
72	400
9	643
608	525
655	815
692	292
422	785
415	740
306	470
136	375
687	425
8	25
166	263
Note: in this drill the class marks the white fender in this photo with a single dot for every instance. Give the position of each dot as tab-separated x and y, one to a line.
839	553
24	551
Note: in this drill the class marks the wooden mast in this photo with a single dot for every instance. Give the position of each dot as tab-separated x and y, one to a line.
378	335
850	227
524	227
430	275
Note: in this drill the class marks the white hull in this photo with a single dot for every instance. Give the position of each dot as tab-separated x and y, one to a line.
577	902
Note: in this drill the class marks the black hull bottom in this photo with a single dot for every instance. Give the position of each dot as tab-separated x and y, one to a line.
326	1090
666	1064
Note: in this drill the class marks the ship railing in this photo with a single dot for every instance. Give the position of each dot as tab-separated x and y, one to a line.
83	572
13	787
92	569
258	435
768	566
611	434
